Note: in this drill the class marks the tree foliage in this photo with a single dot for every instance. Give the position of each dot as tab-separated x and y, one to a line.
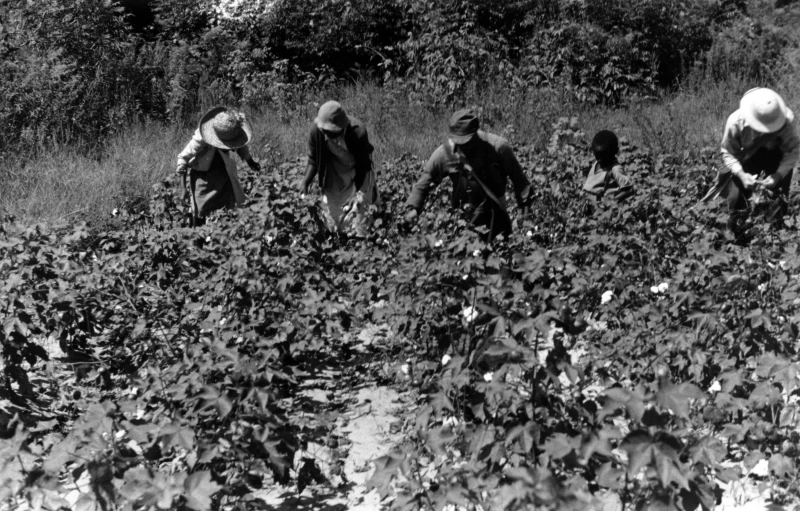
79	70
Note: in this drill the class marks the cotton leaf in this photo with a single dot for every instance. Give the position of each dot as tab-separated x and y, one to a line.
198	489
677	398
781	465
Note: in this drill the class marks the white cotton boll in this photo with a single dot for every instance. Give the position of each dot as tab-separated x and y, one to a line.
438	243
715	387
115	212
269	239
663	287
529	234
762	287
208	239
465	277
476	253
223	321
470	314
450	421
782	264
607	296
445	359
488	376
404	368
654	289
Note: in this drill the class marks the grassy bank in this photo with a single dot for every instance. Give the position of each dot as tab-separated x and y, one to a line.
64	183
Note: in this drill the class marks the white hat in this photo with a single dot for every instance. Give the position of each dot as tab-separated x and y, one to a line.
764	110
225	128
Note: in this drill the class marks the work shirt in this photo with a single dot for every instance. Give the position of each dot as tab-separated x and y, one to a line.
492	160
740	142
608	181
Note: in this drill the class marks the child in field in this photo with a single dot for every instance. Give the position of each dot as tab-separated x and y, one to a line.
208	165
605	179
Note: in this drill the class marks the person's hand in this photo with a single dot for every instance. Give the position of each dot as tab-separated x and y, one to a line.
748	180
184	189
768	182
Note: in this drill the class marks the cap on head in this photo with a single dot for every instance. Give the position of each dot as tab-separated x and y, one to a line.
764	110
332	117
463	126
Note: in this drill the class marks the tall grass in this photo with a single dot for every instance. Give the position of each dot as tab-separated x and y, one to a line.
65	183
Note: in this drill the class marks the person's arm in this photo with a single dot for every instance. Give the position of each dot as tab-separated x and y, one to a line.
313	165
732	150
363	155
430	179
512	168
624	182
790	147
244	153
192	149
731	146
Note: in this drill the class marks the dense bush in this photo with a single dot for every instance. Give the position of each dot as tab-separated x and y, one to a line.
79	70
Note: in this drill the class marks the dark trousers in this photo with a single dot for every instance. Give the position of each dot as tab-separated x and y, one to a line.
739	200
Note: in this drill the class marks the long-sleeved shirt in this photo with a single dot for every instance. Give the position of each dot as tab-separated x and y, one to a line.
198	154
356	142
740	142
492	161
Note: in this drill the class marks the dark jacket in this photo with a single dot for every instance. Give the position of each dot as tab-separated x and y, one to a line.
357	142
494	163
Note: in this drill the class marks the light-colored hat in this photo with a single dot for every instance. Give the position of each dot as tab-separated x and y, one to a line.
332	117
764	110
225	128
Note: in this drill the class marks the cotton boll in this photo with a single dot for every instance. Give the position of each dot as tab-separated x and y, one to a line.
445	359
470	314
607	296
654	289
663	287
488	376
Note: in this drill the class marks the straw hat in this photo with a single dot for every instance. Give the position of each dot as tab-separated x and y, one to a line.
463	126
332	117
225	128
764	110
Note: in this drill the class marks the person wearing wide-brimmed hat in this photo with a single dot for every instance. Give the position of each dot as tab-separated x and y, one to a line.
340	157
206	162
759	140
479	164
